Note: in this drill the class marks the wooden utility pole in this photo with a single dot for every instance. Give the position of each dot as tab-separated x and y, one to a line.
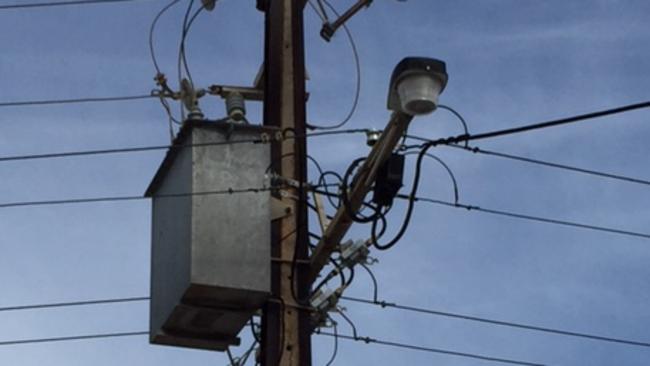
286	330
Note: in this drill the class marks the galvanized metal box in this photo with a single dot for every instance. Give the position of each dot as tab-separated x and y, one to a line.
210	259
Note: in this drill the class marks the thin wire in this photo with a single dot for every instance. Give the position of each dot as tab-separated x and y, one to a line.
409	210
181	53
535	126
230	358
523	216
368	340
555	165
530	217
458	115
384	304
375	285
152	29
336	346
155	147
122	150
349	321
444	165
61	3
132	198
321	13
74	303
72	338
357	64
76	100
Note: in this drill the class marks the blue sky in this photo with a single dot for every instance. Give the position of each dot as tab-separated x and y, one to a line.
510	63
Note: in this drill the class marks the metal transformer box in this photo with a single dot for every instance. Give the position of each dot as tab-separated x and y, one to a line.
210	258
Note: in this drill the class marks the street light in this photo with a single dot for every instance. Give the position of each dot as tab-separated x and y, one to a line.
416	84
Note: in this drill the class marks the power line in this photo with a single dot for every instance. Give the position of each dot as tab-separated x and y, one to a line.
132	198
76	100
553	165
162	147
71	338
122	150
535	126
369	340
518	215
61	3
530	217
140	197
357	64
384	304
74	303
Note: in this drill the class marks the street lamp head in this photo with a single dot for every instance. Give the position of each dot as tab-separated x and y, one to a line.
416	84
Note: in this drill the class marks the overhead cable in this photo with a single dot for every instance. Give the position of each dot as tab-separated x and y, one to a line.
535	126
384	304
227	191
71	338
61	3
357	64
76	100
74	303
369	340
134	198
554	165
161	147
529	217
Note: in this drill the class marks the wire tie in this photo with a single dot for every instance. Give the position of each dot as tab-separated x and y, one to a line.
475	150
230	191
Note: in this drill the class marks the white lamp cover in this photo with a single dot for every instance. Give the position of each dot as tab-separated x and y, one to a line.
418	94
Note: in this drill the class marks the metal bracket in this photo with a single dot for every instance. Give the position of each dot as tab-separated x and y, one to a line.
322	216
279	209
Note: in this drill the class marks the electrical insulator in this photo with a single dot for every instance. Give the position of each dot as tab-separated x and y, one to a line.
353	252
236	107
372	136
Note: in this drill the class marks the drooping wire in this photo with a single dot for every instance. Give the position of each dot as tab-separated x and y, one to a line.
150	148
72	338
446	167
323	180
522	216
132	198
181	50
554	165
255	332
354	216
336	344
368	340
421	310
374	301
73	303
537	126
61	3
321	13
409	209
350	322
375	286
528	217
152	29
458	115
187	24
231	358
357	64
31	103
152	52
